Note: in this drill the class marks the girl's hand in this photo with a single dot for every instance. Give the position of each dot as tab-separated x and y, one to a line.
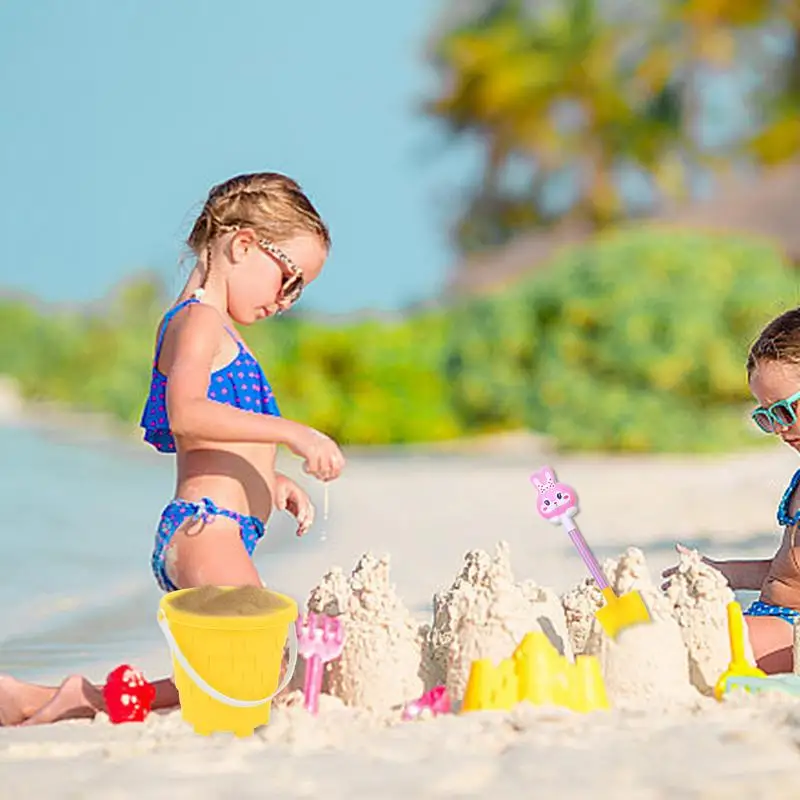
683	550
323	458
291	498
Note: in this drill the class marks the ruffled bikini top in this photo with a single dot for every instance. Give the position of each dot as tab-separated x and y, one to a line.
784	517
241	384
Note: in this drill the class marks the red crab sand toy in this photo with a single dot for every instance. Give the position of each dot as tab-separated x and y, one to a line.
128	695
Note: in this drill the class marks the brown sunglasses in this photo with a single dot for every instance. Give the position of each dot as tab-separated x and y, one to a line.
293	281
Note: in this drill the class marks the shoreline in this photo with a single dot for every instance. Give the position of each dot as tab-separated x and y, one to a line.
512	446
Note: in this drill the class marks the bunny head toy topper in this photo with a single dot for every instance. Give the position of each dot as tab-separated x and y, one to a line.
555	500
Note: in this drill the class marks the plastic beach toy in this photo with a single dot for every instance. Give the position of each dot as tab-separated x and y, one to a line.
740	672
227	667
436	700
320	640
558	503
786	683
127	695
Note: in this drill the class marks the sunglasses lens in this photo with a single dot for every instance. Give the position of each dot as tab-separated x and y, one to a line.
763	421
784	414
293	288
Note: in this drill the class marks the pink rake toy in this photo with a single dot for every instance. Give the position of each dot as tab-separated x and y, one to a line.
320	639
558	503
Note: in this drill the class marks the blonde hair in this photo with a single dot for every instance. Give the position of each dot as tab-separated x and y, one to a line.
273	205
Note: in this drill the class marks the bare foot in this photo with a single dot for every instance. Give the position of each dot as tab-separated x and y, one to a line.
76	698
12	705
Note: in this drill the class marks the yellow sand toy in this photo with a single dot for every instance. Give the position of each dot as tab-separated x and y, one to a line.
538	674
227	665
739	668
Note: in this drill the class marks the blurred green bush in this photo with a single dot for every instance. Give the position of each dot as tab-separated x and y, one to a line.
634	342
366	382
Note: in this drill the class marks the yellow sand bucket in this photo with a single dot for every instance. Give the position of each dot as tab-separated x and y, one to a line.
227	667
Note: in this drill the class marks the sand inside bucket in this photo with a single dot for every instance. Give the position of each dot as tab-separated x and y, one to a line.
242	601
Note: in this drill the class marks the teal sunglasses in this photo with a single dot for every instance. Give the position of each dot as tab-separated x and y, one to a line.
779	415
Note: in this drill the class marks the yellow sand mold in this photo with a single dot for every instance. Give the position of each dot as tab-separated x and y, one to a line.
537	674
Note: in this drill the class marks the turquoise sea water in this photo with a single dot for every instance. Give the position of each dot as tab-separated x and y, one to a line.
74	547
78	518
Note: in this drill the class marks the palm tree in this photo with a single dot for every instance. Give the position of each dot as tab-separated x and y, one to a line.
563	90
553	90
779	139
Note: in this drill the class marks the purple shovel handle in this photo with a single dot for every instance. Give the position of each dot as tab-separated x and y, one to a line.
585	553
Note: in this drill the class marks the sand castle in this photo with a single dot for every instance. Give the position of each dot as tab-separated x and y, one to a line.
485	614
381	664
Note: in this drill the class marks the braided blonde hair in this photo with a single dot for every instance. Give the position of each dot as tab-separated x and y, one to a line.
271	204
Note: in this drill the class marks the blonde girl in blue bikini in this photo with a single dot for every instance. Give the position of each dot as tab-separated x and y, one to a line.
258	242
773	369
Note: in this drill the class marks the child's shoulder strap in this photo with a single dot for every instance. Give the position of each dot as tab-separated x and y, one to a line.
165	322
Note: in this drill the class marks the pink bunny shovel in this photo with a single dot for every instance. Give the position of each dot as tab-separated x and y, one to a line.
320	639
558	503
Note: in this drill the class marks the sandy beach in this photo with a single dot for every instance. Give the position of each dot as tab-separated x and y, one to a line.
426	513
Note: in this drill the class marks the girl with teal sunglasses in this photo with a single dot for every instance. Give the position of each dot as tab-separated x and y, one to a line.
773	371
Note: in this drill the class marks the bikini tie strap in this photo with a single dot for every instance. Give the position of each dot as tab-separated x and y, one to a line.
206	510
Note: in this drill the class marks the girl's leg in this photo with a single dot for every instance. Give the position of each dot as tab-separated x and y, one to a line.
200	554
18	700
30	704
210	553
772	641
76	698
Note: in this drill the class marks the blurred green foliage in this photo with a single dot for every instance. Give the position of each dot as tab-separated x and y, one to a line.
361	382
635	342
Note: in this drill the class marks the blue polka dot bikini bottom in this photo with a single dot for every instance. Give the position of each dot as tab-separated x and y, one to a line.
177	512
759	609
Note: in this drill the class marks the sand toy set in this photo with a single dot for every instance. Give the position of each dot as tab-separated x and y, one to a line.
228	647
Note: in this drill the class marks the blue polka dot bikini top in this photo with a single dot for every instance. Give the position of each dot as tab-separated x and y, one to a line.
241	384
784	517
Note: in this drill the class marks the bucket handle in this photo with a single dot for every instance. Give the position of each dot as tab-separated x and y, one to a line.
210	690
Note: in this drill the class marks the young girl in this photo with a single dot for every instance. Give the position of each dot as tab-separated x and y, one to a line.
258	242
773	370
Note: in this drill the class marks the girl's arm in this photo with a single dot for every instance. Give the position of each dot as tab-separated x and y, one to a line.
748	575
195	338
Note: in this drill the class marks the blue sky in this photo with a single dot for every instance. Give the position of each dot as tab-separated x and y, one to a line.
118	116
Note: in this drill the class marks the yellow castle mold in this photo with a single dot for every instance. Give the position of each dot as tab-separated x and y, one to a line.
538	674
